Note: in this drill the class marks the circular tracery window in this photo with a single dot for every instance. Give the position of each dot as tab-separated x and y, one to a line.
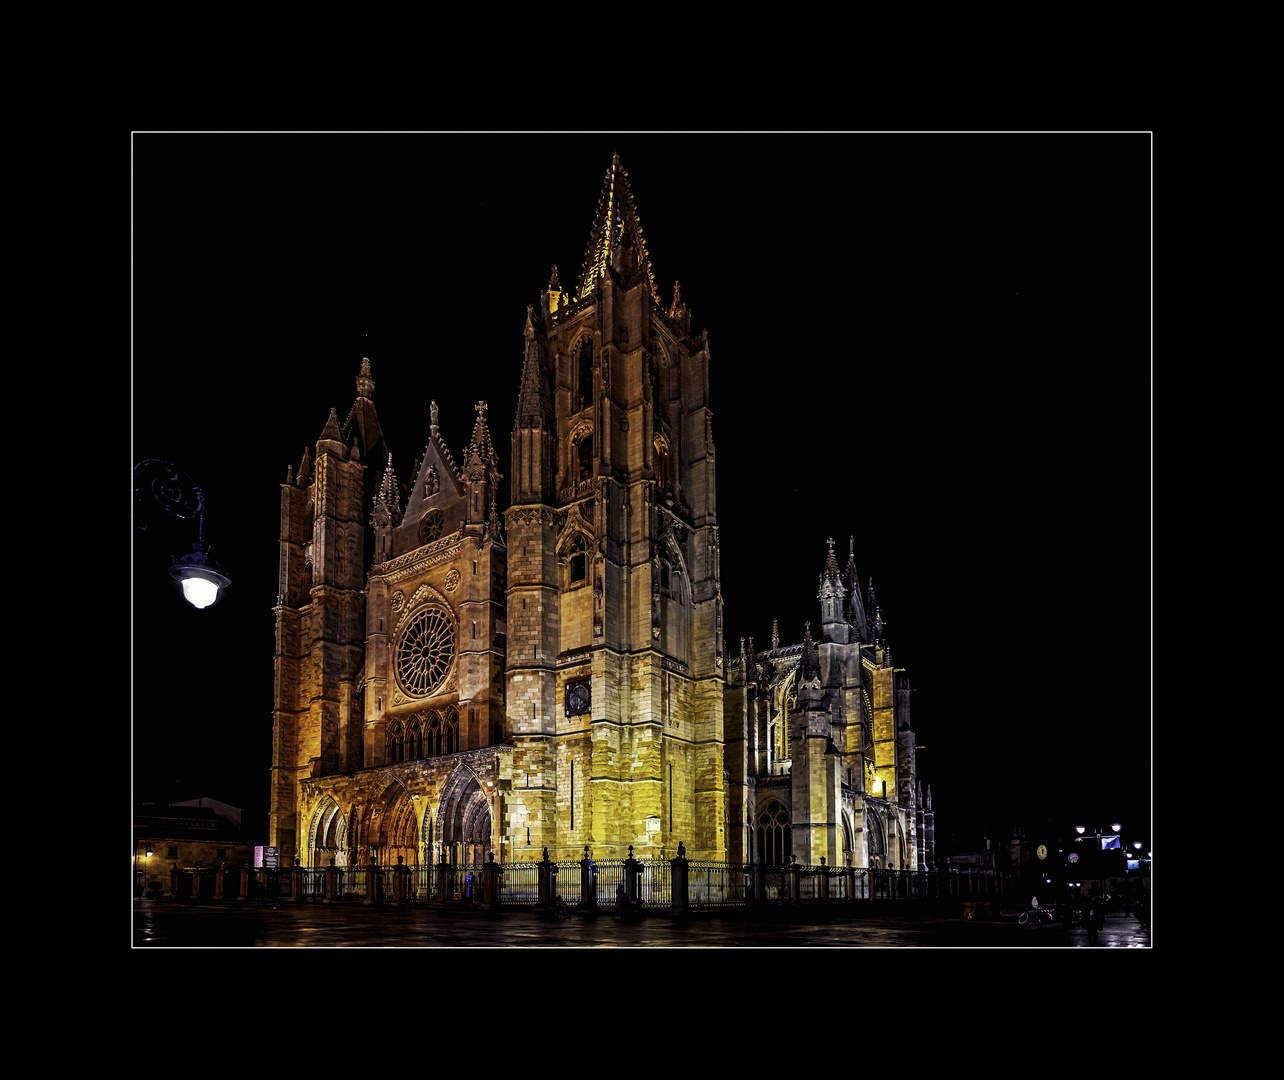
431	525
425	651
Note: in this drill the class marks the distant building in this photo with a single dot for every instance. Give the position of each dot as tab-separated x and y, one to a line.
448	685
198	833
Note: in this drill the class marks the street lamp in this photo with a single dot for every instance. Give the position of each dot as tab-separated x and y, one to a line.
1097	836
160	485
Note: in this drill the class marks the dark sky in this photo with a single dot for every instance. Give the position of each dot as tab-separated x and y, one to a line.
939	344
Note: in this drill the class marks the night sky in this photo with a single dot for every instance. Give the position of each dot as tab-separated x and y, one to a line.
939	344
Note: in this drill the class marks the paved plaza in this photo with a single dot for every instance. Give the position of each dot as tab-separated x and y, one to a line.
180	924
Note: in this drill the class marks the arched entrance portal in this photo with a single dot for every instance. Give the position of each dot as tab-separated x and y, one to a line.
394	828
328	835
464	819
876	849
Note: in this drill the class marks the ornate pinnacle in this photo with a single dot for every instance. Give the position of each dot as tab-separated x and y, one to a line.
365	384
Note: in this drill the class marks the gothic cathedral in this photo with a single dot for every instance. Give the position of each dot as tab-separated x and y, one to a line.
449	685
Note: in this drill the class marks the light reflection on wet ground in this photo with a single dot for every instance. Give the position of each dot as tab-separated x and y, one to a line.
228	925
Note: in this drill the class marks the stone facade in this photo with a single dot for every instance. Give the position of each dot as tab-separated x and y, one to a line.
447	686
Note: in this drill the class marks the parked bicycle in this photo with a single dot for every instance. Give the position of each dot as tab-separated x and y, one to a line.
1035	914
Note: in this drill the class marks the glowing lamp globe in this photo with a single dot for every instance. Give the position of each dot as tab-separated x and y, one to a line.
201	578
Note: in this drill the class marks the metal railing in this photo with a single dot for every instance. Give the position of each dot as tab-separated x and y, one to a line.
710	885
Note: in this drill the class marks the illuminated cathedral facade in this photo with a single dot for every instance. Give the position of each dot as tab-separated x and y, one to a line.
454	679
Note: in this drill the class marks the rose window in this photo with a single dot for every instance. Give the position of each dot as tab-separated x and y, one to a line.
425	651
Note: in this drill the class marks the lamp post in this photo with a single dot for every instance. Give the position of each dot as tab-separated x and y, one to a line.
1099	861
160	486
141	868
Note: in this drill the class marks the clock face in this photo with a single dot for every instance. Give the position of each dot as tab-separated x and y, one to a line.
1042	851
1073	857
578	698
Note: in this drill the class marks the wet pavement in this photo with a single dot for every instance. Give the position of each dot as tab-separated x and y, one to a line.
184	924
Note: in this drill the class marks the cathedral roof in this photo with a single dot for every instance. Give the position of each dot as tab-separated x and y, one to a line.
615	227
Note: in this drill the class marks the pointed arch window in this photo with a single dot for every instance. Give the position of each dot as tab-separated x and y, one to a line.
396	743
584	457
415	740
584	375
661	460
577	562
773	830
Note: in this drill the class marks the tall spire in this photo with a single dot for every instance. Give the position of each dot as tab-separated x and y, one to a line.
852	582
832	617
616	240
390	495
534	400
362	427
479	447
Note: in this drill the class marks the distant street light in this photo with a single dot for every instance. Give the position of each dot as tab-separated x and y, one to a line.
160	485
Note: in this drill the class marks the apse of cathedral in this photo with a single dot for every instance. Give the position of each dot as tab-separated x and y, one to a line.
454	679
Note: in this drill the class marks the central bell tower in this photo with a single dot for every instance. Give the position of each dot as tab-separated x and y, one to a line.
614	671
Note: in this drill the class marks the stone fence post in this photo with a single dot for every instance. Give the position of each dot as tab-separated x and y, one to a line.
331	882
547	882
823	877
445	879
632	868
680	903
849	872
792	869
399	881
492	877
372	883
296	880
588	882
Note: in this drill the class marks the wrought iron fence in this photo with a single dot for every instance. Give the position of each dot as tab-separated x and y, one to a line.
711	885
